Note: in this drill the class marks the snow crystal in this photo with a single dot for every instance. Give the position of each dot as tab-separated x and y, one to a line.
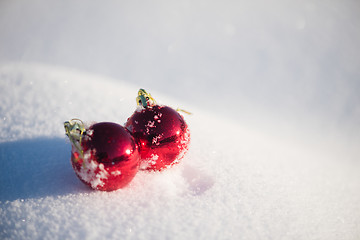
89	132
150	124
149	161
183	142
88	171
156	139
116	173
139	108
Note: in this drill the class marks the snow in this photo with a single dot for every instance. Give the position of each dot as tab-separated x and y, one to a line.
274	92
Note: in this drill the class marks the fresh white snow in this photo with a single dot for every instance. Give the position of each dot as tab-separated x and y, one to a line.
274	92
235	182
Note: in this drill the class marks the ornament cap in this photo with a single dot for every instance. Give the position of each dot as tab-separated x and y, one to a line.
75	130
145	99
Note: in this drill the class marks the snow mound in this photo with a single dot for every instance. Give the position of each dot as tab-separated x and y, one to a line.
234	183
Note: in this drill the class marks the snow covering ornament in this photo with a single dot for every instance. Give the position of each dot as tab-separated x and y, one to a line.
104	156
160	131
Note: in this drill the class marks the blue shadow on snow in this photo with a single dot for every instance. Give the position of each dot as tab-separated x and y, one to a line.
37	168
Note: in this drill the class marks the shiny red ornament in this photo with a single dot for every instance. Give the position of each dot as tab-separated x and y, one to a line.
104	156
161	132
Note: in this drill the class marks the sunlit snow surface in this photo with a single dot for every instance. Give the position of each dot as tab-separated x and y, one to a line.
235	182
274	92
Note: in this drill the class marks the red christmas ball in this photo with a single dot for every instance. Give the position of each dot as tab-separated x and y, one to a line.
104	156
162	134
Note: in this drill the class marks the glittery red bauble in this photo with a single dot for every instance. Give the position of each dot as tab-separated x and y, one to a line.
162	134
110	157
